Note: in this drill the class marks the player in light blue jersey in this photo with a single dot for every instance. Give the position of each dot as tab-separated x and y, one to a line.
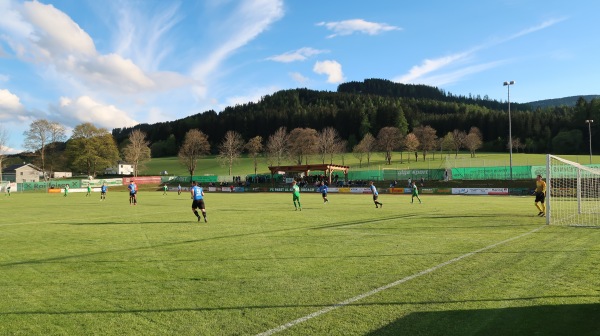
375	195
179	189
198	200
103	190
323	190
132	193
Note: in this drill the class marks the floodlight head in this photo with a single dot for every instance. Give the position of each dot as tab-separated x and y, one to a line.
589	121
508	83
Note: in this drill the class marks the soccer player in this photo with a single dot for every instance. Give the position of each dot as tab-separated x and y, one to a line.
375	195
179	189
323	190
89	190
198	201
540	195
415	192
165	188
66	190
8	190
296	195
103	190
132	193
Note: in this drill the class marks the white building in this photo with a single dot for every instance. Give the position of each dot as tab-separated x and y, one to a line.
122	168
21	173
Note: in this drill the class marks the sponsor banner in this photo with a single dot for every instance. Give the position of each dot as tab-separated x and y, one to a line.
397	190
428	191
360	190
280	189
56	184
55	191
79	190
142	180
344	190
165	179
98	182
333	190
480	191
444	191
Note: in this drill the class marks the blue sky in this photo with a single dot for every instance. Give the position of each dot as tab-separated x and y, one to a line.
117	63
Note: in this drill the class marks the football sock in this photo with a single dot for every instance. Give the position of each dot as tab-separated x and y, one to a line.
539	208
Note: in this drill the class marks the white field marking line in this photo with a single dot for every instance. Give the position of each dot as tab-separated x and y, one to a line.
393	284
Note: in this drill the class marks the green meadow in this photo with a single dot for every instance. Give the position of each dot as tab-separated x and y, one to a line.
454	265
210	165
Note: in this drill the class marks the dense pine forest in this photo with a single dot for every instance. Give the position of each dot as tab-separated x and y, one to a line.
358	108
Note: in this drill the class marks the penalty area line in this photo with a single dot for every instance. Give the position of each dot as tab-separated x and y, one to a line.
390	285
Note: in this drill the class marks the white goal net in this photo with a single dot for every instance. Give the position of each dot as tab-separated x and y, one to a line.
572	193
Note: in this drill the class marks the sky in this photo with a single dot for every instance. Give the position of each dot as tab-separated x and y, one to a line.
117	63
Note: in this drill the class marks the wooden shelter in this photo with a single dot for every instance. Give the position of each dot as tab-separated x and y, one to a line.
328	169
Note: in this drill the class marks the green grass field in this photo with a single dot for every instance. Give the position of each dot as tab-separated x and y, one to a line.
454	265
210	165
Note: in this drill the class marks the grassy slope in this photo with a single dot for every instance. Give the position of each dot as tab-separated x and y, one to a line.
210	165
81	266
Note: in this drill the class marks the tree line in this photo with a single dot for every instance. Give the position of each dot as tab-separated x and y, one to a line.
362	117
358	108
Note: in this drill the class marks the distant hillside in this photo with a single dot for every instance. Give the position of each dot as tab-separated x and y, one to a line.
566	101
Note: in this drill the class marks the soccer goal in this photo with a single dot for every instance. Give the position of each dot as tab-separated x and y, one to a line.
572	193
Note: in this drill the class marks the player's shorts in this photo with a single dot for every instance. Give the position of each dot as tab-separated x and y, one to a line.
295	198
198	204
540	197
324	194
103	193
375	197
132	193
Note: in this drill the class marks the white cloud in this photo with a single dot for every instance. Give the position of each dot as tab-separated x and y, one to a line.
420	73
417	71
253	96
348	27
296	55
298	77
10	106
86	109
332	69
48	37
4	78
244	24
56	33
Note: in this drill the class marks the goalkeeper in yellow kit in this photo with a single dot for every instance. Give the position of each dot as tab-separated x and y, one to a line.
540	195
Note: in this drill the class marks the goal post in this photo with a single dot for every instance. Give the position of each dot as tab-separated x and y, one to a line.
572	193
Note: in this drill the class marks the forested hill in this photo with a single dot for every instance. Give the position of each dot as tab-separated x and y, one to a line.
566	101
365	107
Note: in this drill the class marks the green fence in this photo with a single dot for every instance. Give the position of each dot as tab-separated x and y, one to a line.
491	173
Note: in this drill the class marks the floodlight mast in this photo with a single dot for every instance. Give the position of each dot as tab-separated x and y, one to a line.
508	84
589	122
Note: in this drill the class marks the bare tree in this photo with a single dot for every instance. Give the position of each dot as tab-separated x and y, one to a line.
474	140
458	140
137	151
302	143
277	146
254	148
411	144
427	138
195	145
389	138
447	141
341	148
359	153
3	147
231	148
42	133
328	143
368	144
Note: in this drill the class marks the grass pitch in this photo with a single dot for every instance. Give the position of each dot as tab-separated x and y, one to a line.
461	265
